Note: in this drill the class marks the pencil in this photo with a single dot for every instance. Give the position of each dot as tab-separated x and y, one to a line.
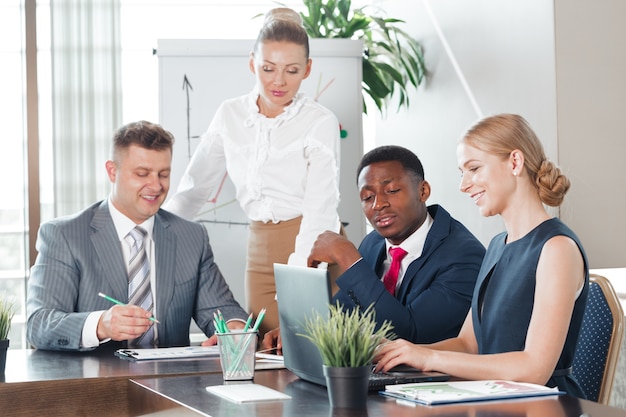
247	326
219	323
114	301
259	319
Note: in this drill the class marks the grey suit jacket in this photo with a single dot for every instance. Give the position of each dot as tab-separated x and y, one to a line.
81	255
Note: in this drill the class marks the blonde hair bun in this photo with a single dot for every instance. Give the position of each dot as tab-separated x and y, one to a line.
282	14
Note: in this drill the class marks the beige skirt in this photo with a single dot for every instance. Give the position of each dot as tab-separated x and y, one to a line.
270	243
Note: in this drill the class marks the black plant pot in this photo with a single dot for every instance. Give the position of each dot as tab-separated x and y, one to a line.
4	346
347	386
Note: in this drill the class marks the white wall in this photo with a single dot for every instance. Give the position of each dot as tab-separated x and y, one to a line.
559	64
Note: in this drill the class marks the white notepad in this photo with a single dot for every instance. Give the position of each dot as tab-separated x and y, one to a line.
168	353
244	393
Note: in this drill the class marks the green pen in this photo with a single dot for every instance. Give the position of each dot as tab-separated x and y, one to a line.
114	301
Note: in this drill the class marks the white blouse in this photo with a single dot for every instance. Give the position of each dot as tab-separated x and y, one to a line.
281	167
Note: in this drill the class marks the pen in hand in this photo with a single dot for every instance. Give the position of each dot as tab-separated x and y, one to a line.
114	301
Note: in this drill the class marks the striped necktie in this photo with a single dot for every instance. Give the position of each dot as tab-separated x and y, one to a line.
139	292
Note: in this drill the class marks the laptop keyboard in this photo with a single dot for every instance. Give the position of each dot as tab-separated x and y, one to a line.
378	380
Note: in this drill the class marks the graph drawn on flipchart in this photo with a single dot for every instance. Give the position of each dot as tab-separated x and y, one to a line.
221	206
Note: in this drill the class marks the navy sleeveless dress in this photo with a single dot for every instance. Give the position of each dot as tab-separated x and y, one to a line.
504	297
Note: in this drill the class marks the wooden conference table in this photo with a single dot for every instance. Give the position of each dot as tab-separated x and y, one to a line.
100	384
186	396
47	383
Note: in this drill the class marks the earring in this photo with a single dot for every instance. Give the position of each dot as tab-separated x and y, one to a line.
514	173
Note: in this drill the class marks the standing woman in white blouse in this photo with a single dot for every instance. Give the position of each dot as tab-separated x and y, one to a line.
281	151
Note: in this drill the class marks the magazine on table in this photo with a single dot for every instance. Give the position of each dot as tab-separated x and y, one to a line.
465	391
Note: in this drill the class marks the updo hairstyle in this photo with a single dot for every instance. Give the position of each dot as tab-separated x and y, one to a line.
283	24
503	133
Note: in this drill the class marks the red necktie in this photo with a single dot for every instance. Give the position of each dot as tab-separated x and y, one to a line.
391	277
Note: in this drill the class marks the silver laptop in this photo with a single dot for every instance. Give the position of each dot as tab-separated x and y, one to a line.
300	291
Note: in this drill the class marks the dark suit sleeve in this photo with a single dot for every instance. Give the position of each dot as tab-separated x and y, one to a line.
432	312
435	294
438	311
53	289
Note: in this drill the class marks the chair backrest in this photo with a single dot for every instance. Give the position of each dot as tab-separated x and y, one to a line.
599	341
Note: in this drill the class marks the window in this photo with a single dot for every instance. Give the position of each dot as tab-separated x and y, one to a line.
13	206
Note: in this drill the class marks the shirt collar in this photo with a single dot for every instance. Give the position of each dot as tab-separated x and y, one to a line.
253	110
123	224
414	244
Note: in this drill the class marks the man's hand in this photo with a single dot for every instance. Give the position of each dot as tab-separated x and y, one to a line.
123	323
231	324
272	341
333	248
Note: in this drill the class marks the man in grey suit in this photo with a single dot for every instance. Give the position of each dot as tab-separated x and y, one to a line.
87	253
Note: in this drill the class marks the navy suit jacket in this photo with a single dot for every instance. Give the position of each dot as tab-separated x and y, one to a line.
436	291
81	255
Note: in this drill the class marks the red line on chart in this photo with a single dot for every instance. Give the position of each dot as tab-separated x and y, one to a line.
219	189
320	92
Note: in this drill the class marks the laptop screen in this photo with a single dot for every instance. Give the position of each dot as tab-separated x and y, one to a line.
300	291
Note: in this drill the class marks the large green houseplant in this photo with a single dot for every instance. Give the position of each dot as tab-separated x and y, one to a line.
392	60
347	341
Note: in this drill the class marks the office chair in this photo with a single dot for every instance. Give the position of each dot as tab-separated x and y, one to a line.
599	341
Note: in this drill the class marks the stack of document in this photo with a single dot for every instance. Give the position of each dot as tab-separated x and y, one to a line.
263	360
268	361
465	391
168	353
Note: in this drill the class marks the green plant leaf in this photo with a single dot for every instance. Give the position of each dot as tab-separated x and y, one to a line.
346	337
7	311
389	71
374	80
344	8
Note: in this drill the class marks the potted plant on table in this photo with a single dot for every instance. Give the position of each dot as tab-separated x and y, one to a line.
347	341
7	310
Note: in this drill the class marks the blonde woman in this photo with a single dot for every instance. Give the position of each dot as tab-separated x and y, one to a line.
531	291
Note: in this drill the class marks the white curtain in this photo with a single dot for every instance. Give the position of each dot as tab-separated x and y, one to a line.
86	98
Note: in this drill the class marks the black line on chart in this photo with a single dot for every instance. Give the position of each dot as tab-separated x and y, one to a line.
230	223
187	87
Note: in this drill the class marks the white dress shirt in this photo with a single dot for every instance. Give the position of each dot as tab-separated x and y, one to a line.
414	245
282	167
